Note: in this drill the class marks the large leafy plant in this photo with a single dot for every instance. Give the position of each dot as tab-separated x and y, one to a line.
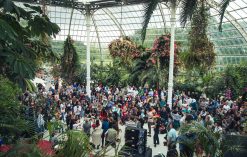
233	78
76	144
152	66
24	40
201	138
12	123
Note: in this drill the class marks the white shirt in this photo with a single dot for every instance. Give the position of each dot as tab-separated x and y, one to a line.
226	107
40	120
62	108
77	110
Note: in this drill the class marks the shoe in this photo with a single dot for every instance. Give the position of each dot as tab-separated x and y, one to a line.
155	145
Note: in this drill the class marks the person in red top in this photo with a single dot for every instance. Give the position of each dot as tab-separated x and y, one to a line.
103	114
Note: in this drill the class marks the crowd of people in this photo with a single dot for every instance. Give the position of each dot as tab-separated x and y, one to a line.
100	114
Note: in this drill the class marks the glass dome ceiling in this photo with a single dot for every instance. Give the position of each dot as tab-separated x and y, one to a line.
110	20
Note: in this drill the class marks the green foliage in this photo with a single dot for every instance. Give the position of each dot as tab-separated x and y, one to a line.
76	144
21	46
201	55
234	78
70	61
11	121
53	126
24	150
111	74
205	138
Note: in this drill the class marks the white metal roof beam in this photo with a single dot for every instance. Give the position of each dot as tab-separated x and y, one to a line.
114	19
97	33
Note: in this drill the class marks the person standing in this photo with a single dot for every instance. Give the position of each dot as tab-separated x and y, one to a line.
87	127
156	132
105	127
171	137
150	115
40	122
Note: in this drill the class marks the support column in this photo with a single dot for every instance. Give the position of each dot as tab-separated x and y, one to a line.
171	63
88	62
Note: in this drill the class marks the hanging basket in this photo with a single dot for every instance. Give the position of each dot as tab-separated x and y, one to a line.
161	49
124	48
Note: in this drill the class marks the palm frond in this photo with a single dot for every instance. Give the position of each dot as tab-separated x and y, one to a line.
201	135
223	5
149	8
187	9
77	144
30	86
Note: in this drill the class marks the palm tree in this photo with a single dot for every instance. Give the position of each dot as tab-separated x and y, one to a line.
187	9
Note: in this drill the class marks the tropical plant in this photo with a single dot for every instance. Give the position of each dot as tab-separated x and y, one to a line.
70	61
12	123
76	143
152	66
201	55
200	138
161	51
124	49
23	40
231	79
